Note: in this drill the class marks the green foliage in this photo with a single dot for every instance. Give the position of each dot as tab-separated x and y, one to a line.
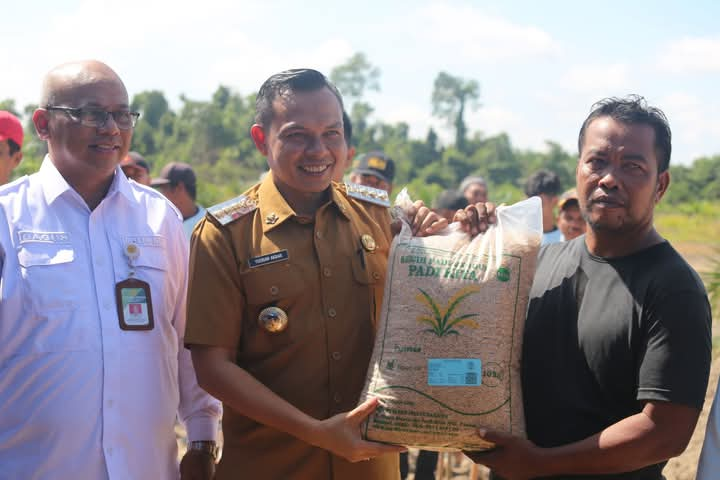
451	96
213	136
354	77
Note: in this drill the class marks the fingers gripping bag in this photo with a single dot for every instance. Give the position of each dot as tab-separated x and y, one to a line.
446	357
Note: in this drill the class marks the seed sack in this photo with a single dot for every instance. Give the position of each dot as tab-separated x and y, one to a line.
446	357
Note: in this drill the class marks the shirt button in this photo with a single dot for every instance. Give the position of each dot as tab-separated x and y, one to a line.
107	305
274	290
337	398
327	272
109	451
99	261
376	275
336	355
110	403
332	312
318	234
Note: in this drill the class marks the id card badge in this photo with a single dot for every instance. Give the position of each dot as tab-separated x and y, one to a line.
134	305
132	297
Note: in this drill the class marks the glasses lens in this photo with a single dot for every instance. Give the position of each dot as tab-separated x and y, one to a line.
93	118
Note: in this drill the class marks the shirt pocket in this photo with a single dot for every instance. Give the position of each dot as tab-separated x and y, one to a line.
47	272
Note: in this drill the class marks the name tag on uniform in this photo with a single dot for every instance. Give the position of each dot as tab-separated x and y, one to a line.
134	305
275	257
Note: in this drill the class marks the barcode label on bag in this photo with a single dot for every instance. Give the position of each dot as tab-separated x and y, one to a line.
454	372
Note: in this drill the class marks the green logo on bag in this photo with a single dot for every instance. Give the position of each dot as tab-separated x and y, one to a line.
503	274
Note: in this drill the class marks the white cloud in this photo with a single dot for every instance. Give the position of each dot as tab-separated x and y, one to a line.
691	55
257	62
474	35
596	79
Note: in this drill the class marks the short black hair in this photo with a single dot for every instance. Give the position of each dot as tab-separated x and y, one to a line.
450	200
543	181
634	110
347	129
13	147
295	80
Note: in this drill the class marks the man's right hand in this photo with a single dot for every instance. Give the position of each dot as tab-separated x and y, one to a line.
476	218
341	435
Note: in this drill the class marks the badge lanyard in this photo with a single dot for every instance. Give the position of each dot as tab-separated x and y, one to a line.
132	295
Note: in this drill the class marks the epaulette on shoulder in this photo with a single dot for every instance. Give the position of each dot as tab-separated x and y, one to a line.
368	194
232	209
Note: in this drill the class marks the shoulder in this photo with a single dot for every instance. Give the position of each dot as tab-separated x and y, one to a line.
152	199
231	210
668	268
20	194
364	194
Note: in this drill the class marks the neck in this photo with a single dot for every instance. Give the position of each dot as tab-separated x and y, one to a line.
548	220
92	191
304	204
188	209
613	244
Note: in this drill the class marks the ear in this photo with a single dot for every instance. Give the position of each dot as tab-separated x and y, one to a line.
41	120
663	183
16	159
258	135
350	156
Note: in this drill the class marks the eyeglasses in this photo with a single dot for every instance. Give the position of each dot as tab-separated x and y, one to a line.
96	117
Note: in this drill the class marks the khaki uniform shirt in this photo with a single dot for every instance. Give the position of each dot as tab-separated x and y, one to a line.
331	288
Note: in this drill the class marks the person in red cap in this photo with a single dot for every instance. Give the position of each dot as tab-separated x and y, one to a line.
11	139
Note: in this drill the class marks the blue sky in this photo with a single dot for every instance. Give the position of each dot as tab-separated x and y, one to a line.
540	65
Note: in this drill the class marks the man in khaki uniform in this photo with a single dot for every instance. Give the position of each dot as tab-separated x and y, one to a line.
286	286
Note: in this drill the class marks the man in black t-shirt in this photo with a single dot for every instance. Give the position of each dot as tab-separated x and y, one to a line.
617	341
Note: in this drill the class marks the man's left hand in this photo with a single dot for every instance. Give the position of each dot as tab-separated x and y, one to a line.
197	465
513	458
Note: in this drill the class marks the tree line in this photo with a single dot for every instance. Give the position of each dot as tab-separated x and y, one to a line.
213	136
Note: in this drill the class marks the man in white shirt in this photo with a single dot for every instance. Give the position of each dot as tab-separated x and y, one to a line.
93	278
178	183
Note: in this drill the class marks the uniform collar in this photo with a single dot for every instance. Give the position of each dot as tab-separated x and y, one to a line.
54	184
274	210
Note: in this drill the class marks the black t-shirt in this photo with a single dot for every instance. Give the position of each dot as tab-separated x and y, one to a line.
602	335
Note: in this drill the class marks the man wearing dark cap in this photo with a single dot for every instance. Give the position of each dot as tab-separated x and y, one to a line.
136	168
11	139
178	183
374	169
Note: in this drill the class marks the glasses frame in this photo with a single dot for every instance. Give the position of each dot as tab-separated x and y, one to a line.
75	115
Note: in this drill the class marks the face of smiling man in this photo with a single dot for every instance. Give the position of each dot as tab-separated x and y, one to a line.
81	153
304	145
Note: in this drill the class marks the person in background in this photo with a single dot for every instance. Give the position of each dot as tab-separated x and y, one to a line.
617	342
474	189
546	185
448	203
570	221
178	183
374	169
11	140
93	277
709	463
136	168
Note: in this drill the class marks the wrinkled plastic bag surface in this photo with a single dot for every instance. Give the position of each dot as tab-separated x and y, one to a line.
446	357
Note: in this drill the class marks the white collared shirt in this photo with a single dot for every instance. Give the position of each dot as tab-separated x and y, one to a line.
81	398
